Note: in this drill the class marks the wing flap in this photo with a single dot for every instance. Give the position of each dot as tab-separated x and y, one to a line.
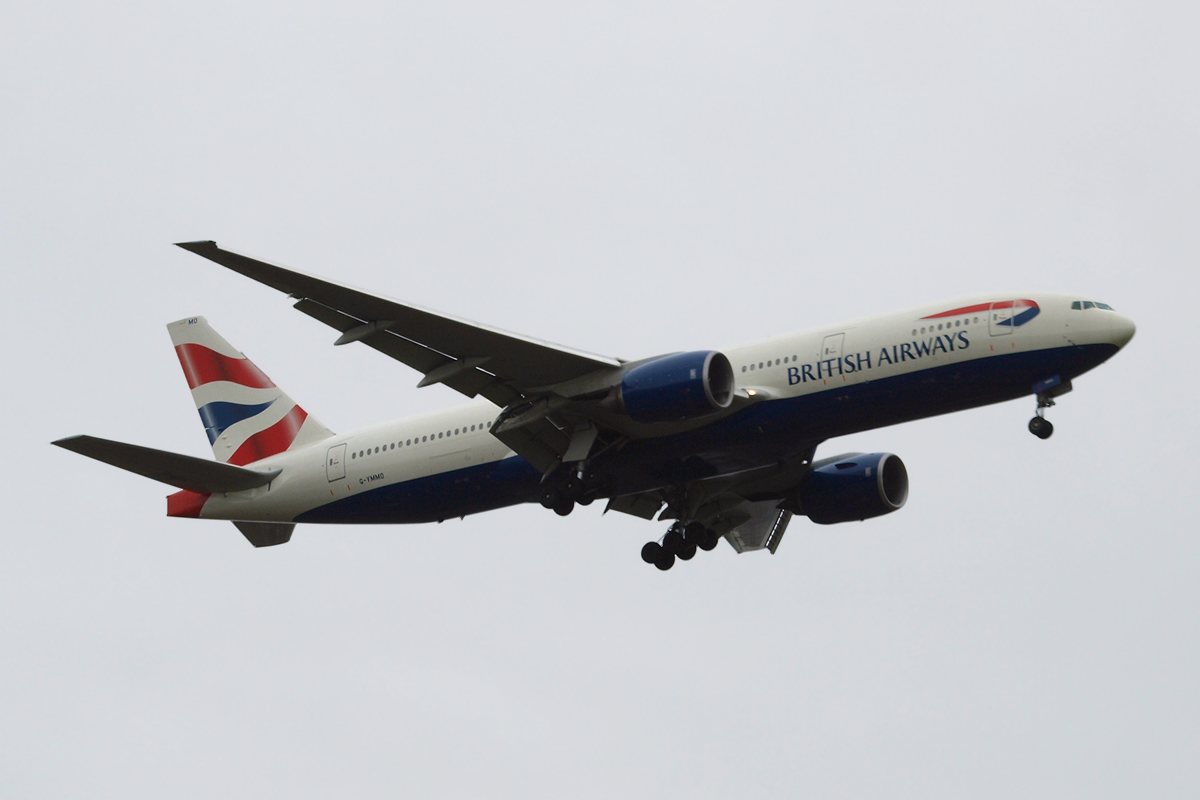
762	529
174	469
644	504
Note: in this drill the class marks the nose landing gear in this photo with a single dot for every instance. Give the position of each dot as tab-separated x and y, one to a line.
1039	426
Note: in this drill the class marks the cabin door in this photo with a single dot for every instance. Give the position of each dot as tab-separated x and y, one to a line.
335	463
1000	319
831	348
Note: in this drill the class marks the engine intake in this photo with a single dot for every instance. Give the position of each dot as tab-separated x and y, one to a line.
854	487
679	387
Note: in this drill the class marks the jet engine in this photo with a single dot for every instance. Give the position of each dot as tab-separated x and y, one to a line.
854	487
678	387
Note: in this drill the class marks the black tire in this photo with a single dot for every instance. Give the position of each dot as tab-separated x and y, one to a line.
564	506
694	531
673	540
651	552
665	560
687	551
709	540
1041	427
585	501
1048	431
571	487
548	497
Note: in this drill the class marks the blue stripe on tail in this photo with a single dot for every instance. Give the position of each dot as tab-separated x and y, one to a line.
219	415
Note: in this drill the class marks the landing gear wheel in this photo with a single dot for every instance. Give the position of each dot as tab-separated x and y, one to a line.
673	541
564	506
709	540
651	551
1041	427
571	487
585	501
548	497
686	551
665	560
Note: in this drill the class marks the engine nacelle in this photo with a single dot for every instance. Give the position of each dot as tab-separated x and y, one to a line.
678	387
854	487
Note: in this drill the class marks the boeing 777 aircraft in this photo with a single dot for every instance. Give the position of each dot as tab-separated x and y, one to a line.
722	442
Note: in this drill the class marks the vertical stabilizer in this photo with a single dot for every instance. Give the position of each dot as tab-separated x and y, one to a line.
246	416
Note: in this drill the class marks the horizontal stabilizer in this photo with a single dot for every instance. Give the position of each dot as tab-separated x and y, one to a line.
186	472
266	534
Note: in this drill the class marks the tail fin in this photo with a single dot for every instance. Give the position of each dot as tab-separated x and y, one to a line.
246	416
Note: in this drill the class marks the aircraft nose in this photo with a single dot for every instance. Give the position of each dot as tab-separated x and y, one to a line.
1121	329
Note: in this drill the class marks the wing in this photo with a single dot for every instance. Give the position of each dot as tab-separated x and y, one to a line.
471	358
513	371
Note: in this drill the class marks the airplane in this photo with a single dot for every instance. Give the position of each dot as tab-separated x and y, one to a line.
722	443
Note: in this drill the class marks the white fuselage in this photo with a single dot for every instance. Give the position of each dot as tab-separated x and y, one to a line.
773	370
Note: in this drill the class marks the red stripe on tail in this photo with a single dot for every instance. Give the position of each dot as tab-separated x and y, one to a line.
202	365
273	440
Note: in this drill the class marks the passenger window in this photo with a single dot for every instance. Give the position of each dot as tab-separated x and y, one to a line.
352	455
424	438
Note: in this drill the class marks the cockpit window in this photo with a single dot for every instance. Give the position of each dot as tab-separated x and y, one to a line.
1076	306
1088	304
1105	306
1080	305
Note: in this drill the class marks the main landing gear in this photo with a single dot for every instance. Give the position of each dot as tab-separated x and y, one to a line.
681	542
1039	426
564	494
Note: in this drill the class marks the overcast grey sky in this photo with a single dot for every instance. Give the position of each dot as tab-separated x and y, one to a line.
626	178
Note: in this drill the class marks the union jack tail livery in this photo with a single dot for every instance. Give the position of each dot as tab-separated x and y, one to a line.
246	416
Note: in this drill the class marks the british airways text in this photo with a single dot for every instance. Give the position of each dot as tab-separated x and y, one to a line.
858	362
